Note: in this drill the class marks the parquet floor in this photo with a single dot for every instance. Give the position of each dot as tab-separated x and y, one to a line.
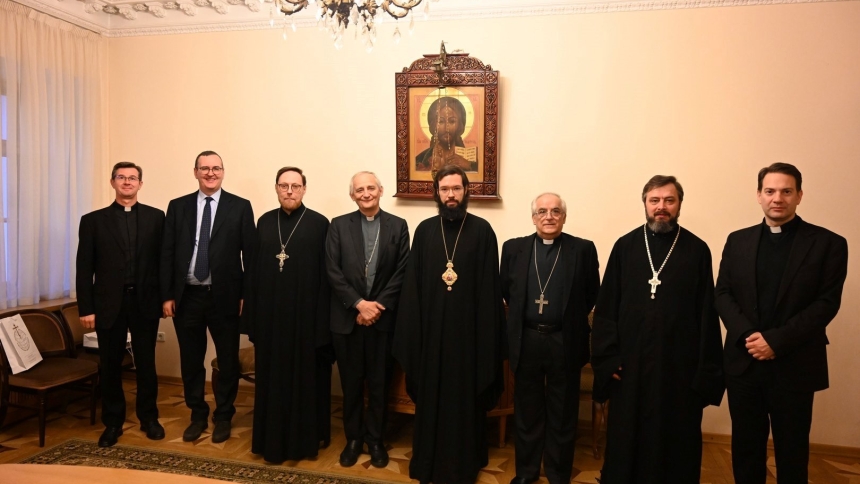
20	440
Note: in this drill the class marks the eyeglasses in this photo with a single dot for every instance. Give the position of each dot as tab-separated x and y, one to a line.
294	187
123	178
456	190
206	169
544	213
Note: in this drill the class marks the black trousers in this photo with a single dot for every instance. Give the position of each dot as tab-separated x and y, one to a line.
758	407
194	316
546	408
364	356
112	343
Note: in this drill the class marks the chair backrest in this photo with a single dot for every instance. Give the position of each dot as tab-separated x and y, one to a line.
51	335
73	320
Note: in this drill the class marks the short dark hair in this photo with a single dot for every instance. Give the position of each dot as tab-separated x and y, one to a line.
450	170
291	168
208	153
126	164
785	169
446	102
658	181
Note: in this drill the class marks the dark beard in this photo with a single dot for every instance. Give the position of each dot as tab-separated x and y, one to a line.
662	227
453	213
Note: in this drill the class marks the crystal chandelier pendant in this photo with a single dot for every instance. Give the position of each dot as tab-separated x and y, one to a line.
411	24
396	35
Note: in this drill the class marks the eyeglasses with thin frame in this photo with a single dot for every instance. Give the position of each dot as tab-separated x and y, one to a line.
206	169
544	213
456	190
123	178
292	187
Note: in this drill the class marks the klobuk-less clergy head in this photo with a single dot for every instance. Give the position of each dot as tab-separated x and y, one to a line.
290	185
779	192
209	171
662	196
365	190
126	179
451	192
549	212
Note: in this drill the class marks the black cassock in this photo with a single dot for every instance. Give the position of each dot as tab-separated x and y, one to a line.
289	314
670	351
449	343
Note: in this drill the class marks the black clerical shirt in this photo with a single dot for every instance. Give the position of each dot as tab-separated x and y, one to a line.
773	252
552	312
125	219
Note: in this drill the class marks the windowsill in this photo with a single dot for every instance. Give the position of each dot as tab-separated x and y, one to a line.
47	305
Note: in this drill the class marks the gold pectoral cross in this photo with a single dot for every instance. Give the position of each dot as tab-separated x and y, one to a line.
654	283
449	276
281	258
541	303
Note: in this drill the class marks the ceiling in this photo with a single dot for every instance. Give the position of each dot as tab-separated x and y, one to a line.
125	18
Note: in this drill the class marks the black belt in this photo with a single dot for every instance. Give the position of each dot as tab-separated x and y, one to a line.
198	287
543	328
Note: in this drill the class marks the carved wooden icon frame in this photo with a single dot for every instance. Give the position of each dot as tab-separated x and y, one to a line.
420	89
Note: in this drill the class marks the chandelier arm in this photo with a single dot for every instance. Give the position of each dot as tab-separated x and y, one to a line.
391	7
289	7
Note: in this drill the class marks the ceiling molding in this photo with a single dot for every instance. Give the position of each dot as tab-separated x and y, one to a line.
130	18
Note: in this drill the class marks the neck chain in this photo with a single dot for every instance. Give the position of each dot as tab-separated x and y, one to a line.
544	302
282	256
367	262
655	281
449	276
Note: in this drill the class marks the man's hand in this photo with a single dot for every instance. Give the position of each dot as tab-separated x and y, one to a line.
362	322
168	309
370	310
758	347
241	305
617	375
88	322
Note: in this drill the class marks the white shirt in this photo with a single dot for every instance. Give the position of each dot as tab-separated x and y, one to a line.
213	207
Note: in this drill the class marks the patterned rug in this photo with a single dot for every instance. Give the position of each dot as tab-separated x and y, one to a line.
77	452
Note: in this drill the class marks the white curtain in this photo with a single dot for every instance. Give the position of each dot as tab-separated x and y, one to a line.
51	77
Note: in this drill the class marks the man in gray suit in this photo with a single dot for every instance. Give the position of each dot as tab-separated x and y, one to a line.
366	253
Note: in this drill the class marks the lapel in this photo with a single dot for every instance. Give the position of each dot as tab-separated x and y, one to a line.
568	264
357	240
110	223
802	243
220	214
191	220
748	254
384	230
523	259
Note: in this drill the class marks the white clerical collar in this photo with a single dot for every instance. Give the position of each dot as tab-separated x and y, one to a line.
547	241
371	218
775	230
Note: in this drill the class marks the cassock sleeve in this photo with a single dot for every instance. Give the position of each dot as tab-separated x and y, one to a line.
592	283
407	332
247	321
738	326
323	309
490	324
388	297
85	267
605	349
708	381
798	330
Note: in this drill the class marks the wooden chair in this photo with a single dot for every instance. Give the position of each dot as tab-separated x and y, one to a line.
69	312
247	368
59	369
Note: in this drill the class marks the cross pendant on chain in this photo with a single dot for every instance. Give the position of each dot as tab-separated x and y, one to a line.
654	283
541	303
281	258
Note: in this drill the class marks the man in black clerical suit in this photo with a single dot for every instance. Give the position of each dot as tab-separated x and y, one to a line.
550	281
366	254
779	286
206	236
117	284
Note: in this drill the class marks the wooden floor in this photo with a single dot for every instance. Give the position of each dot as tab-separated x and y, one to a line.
20	440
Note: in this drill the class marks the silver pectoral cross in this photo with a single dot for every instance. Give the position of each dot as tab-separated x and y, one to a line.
541	303
281	258
654	283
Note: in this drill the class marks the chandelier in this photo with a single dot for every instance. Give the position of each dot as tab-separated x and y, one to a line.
335	16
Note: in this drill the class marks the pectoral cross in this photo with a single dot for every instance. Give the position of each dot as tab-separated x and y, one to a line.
281	258
541	303
654	283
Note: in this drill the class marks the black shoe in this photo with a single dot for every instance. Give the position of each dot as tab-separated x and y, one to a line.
153	429
221	432
522	480
350	453
110	436
194	430
378	455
